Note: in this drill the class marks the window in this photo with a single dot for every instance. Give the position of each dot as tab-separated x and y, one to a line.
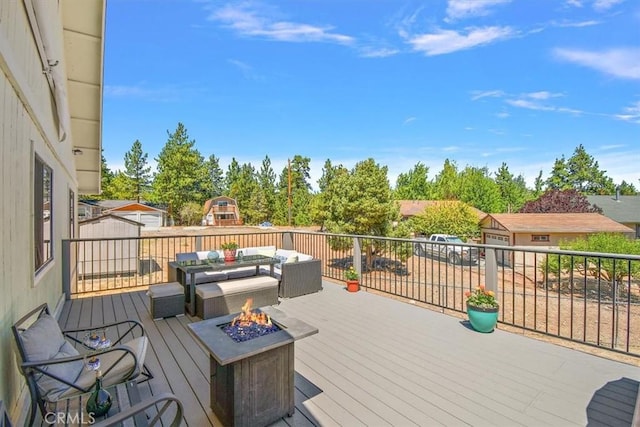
539	237
222	203
43	211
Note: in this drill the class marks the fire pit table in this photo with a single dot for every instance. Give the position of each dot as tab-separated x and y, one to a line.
252	380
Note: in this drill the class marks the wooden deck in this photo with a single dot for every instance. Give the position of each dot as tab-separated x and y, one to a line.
377	361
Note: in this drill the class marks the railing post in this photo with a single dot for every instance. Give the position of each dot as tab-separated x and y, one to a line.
66	269
287	240
357	256
491	270
198	243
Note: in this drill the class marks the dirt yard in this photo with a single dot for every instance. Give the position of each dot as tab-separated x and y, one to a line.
556	313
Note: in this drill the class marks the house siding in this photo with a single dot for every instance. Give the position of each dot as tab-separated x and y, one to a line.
28	128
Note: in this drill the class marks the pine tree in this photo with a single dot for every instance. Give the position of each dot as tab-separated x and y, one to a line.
137	170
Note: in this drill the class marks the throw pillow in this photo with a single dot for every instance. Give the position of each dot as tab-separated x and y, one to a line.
292	258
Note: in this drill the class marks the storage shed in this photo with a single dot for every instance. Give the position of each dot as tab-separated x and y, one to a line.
149	216
111	255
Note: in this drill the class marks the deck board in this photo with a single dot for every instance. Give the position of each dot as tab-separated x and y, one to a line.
377	361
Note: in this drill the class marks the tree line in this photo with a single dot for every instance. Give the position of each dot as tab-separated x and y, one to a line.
359	200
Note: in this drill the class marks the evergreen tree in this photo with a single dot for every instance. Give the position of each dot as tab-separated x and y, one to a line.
233	173
320	201
137	170
513	191
300	197
414	185
215	185
477	189
181	171
627	189
538	186
559	178
244	189
584	174
264	200
446	184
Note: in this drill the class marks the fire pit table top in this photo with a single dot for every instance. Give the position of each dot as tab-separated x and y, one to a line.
225	350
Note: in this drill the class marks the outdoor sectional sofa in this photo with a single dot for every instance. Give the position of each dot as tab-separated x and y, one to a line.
297	273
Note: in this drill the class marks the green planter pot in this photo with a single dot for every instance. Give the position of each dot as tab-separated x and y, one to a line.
482	319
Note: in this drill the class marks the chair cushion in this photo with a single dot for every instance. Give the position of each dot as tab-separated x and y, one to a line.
43	341
121	369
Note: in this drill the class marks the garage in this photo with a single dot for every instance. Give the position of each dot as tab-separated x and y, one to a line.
148	215
502	257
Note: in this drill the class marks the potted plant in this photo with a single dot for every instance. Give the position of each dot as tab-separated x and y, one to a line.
229	249
351	276
482	309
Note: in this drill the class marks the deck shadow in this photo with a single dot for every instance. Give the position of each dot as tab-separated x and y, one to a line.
613	404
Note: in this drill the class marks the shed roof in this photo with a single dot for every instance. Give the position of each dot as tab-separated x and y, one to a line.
558	223
110	215
621	208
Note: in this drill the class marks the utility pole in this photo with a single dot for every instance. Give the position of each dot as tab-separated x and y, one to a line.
289	189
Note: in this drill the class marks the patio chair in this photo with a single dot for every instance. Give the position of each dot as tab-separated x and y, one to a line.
55	370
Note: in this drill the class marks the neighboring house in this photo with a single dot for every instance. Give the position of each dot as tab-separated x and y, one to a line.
149	216
542	229
51	63
410	208
221	210
545	229
622	209
88	210
122	258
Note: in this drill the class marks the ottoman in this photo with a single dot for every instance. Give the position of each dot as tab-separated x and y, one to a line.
166	299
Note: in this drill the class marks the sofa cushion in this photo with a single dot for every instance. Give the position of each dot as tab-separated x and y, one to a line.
212	290
292	258
165	290
260	250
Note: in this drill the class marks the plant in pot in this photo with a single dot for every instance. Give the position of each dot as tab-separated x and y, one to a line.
351	276
229	249
482	309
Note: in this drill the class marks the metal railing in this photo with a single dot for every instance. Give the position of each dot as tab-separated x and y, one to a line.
590	298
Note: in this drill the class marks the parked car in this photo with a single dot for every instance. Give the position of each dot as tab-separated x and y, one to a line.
266	224
448	247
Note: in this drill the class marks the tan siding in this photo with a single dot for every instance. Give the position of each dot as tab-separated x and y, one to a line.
27	126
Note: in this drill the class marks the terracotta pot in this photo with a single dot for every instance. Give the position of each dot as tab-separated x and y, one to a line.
229	255
353	285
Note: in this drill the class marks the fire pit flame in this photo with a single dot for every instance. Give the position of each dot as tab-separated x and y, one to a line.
247	317
249	324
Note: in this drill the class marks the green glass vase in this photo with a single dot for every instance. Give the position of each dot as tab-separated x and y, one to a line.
99	401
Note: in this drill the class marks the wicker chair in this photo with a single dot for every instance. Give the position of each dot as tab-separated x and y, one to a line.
54	368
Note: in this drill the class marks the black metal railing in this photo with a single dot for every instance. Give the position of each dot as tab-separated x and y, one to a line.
590	298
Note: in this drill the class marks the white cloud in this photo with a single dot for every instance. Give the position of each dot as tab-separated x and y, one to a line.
448	41
542	95
576	24
383	52
502	115
460	9
250	22
530	105
574	3
630	114
603	5
618	62
408	120
245	69
479	94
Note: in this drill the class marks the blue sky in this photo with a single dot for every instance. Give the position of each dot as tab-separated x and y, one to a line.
479	82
